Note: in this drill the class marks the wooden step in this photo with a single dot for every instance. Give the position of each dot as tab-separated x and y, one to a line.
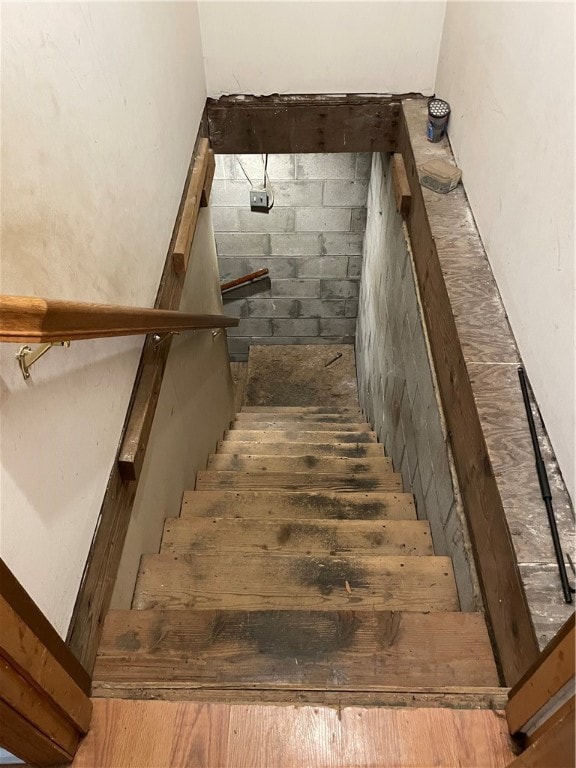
257	409
343	450
217	534
283	582
300	436
299	506
208	480
329	650
302	463
304	426
300	419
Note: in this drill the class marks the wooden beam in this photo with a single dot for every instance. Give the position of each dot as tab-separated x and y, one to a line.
22	604
327	123
401	186
554	749
22	739
504	598
552	672
103	561
189	218
210	171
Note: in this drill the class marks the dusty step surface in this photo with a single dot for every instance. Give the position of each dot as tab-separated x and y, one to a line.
296	410
327	650
302	463
304	426
300	505
283	582
343	450
300	419
388	537
300	436
207	480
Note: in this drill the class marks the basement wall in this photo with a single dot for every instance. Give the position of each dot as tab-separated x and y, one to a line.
331	46
508	71
96	142
311	241
195	407
397	387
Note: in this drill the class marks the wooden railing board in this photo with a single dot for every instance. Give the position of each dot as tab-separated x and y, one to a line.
187	225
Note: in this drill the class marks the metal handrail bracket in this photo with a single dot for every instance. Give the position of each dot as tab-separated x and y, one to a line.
27	356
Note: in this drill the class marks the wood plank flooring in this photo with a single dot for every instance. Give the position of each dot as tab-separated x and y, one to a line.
164	734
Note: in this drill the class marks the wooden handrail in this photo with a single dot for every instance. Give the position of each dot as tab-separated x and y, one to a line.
252	277
27	319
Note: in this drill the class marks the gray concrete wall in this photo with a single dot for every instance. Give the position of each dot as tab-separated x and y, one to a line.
397	386
311	241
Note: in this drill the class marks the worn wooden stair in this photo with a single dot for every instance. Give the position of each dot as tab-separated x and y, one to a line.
297	565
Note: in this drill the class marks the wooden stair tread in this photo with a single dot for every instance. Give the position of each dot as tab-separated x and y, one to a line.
339	450
326	650
296	409
301	418
283	582
304	426
300	436
207	480
303	463
389	537
300	505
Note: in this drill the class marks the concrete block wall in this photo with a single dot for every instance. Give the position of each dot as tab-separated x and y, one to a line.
397	386
311	241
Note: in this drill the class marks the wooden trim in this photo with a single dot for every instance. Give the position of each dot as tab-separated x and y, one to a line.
554	670
95	593
507	609
29	319
187	226
22	604
401	186
27	742
567	708
554	749
210	171
303	123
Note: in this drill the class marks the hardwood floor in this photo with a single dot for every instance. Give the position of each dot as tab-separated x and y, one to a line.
163	734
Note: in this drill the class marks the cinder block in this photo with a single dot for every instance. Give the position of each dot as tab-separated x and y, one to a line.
363	165
300	244
323	220
231	268
278	220
242	244
338	326
238	345
310	340
339	289
230	193
235	308
297	289
297	193
326	166
278	268
346	193
272	307
351	307
300	327
279	167
346	244
252	327
354	266
323	266
358	223
224	167
225	219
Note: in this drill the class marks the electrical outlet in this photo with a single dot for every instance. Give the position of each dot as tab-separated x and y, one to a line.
259	201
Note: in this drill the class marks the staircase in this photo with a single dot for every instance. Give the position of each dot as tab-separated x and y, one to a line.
296	565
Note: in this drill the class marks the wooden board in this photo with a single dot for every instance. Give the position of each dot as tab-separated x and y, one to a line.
164	734
554	749
286	582
318	425
401	186
495	559
367	505
299	418
206	480
343	450
303	463
299	650
28	743
287	124
300	410
300	436
217	534
187	225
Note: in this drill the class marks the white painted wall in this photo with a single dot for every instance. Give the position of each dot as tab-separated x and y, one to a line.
326	46
508	71
100	107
